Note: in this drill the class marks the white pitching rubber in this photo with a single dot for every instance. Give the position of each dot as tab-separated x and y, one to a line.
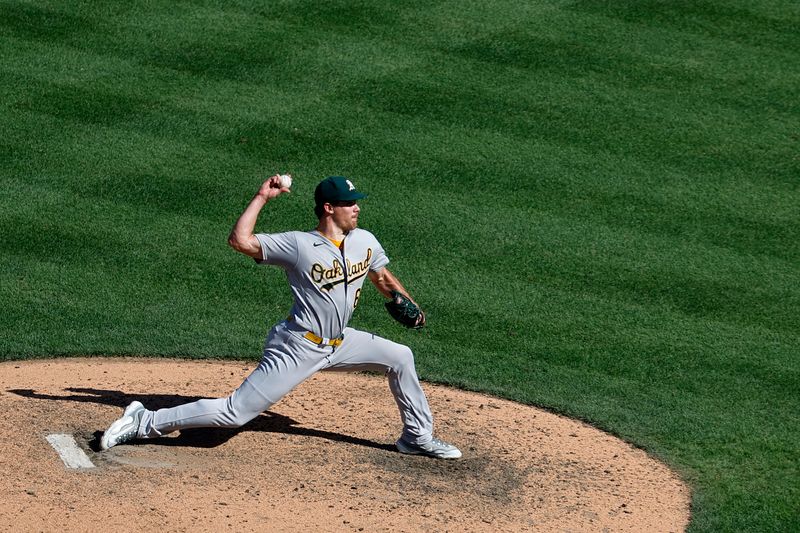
68	450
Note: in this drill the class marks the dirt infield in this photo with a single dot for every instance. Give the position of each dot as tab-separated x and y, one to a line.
321	459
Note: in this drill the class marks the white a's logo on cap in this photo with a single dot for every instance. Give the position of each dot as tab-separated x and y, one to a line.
350	183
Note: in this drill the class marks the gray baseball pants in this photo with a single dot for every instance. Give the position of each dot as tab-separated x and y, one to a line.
288	360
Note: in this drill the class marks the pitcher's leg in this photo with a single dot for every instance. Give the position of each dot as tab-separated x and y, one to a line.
365	351
246	403
287	362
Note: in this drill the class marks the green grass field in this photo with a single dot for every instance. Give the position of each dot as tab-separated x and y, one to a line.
596	202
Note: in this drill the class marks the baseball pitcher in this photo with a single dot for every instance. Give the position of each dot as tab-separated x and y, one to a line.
326	269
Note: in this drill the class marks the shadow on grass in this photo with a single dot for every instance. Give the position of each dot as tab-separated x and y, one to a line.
196	437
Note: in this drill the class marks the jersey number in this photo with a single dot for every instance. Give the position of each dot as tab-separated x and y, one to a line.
358	295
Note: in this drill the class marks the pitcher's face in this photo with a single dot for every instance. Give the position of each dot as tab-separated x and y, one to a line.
345	215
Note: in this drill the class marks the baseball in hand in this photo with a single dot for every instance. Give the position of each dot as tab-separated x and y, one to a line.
286	181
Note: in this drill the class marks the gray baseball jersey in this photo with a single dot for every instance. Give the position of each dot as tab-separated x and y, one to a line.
325	281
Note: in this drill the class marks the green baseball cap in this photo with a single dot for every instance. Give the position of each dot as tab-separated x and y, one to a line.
336	189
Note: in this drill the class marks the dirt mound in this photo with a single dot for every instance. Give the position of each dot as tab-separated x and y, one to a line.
321	459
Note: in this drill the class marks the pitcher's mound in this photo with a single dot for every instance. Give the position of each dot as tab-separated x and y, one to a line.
322	459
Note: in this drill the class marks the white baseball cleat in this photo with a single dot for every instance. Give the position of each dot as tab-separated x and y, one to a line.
435	448
123	429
